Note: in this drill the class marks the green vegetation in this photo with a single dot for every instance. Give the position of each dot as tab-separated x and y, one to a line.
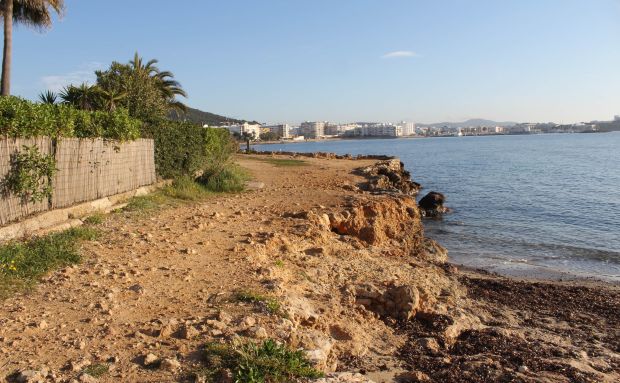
97	370
29	175
201	118
269	136
283	162
271	304
23	263
95	219
267	362
22	118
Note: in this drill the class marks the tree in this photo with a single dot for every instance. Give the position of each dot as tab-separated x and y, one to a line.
109	99
48	97
150	94
35	13
84	96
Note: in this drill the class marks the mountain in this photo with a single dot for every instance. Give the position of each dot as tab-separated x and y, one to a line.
202	118
471	122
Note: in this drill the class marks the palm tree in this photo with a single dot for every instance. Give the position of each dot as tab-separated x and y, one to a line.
83	97
148	68
35	13
48	97
110	98
167	85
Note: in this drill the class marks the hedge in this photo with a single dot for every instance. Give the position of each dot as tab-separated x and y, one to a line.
186	149
22	118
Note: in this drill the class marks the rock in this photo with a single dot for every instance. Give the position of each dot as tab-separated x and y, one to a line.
413	377
150	360
170	364
138	289
189	332
318	348
389	175
42	325
398	302
523	369
431	205
79	365
31	376
223	316
85	378
258	332
429	345
166	331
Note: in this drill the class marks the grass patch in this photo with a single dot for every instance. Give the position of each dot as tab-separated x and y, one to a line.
95	219
186	189
279	263
283	162
228	180
271	304
266	362
22	264
97	370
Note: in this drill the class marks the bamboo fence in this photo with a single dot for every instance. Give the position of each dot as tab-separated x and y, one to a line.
88	169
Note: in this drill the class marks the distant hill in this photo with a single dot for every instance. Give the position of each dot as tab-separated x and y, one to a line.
199	117
471	122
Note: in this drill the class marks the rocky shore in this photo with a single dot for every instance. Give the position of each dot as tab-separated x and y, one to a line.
328	257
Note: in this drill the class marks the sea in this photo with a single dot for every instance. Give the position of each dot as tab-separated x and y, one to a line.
541	205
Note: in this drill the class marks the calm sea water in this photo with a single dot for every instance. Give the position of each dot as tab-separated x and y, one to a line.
521	204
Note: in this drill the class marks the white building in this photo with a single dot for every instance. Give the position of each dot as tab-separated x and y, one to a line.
381	130
281	130
251	129
312	129
408	128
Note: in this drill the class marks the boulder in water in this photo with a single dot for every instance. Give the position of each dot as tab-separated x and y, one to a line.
431	205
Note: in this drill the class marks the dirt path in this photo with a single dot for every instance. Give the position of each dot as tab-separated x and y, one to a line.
178	266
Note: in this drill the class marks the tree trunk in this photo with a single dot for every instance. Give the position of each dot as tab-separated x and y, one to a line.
8	48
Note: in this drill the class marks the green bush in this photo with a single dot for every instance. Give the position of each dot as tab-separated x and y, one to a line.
186	149
22	118
267	362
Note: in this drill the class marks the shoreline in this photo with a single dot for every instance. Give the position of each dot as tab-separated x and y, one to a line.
323	255
530	272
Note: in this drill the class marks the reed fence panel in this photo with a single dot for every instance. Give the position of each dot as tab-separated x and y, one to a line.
88	169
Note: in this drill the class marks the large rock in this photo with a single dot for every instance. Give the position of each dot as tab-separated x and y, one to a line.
398	302
431	205
389	175
380	220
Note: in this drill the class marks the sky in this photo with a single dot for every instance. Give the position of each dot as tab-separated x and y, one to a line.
348	60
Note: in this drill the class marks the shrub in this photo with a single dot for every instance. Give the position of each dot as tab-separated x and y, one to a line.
186	149
267	362
22	118
30	174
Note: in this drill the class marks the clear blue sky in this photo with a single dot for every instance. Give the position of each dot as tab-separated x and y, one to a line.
289	61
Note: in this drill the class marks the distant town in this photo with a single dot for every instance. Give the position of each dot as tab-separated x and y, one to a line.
316	130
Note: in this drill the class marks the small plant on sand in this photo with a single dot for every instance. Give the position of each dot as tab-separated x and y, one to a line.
266	362
279	263
271	304
97	370
95	219
23	263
